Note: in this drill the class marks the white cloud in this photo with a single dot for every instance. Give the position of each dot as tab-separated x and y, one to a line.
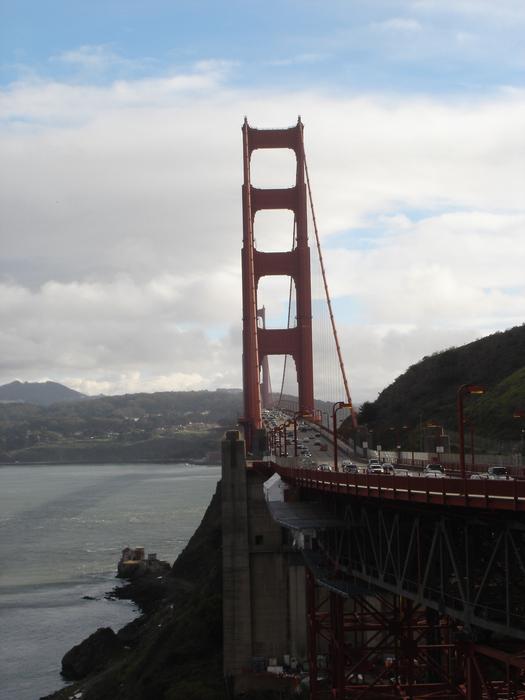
300	59
398	24
487	10
121	219
96	57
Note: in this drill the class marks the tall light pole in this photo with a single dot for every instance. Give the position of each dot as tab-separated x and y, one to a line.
337	405
462	391
296	415
470	425
398	446
284	426
439	434
281	429
518	413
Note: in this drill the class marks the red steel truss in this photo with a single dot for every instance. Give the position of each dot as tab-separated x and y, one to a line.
259	343
380	646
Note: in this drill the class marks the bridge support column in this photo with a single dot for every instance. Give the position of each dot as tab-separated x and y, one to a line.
237	619
264	609
472	676
337	646
312	626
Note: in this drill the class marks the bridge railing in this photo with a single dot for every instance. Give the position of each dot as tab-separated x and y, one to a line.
466	493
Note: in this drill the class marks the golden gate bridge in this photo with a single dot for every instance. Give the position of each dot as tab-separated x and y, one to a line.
425	574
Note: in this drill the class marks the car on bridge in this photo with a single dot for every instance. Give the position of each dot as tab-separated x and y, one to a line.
388	468
375	468
494	474
349	467
434	470
324	467
498	473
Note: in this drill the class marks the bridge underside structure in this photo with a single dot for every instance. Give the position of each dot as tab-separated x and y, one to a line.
412	600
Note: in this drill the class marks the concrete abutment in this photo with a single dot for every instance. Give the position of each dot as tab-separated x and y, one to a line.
264	604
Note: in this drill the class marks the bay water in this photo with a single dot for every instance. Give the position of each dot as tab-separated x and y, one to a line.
62	529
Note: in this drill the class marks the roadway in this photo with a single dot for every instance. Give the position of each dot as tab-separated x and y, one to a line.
314	446
315	451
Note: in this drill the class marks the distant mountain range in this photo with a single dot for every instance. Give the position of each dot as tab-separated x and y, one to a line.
39	393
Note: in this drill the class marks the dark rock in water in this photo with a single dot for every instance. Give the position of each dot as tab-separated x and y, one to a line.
146	591
93	654
89	597
174	650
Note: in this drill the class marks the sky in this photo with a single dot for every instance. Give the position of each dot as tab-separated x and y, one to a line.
121	173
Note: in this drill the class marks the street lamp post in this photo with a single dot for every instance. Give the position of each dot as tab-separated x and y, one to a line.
337	405
299	414
396	432
439	434
462	391
281	430
400	446
518	413
470	426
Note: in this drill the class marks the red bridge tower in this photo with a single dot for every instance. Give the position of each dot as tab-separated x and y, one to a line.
259	343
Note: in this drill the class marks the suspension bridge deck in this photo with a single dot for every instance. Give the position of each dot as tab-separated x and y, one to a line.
450	491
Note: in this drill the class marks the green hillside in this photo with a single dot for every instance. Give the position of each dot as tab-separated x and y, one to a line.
427	391
164	426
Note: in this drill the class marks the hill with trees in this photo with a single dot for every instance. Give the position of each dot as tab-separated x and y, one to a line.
40	393
163	426
427	391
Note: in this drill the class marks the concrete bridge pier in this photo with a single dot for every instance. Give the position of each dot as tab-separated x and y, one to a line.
264	605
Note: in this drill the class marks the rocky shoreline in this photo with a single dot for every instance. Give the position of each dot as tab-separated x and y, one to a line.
174	648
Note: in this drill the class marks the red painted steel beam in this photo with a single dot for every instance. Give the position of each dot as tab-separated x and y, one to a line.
273	199
279	341
252	403
275	138
270	264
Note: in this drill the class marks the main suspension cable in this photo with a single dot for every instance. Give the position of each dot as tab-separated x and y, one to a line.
328	300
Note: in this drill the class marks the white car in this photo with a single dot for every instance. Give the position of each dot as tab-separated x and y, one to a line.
375	468
434	470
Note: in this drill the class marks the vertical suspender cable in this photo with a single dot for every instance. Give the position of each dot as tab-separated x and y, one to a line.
289	315
328	300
